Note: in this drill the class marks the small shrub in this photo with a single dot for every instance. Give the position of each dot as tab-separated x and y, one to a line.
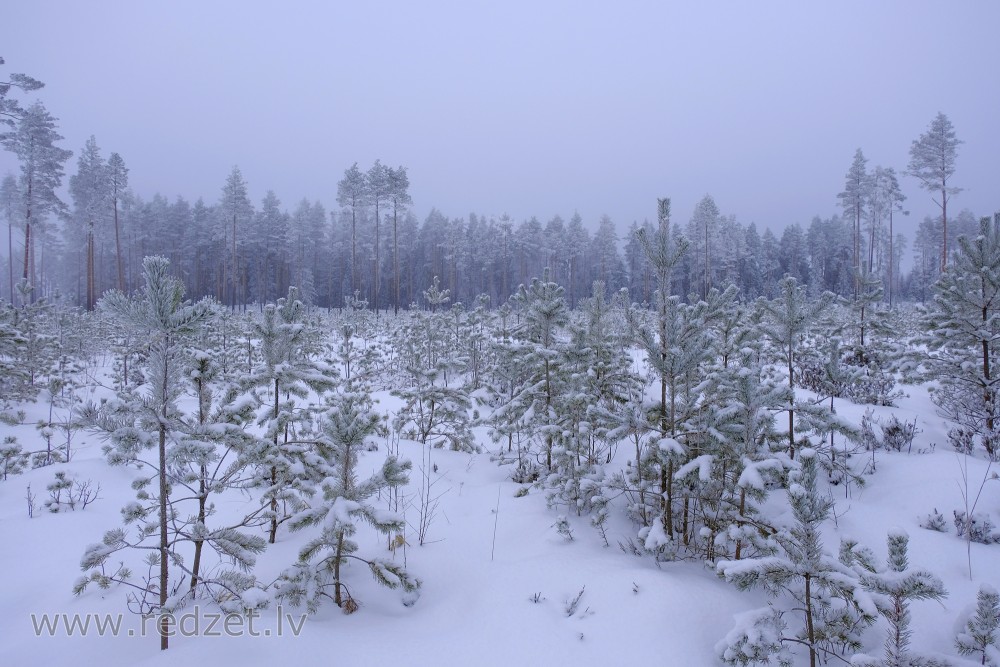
962	440
897	435
525	473
68	494
935	521
979	528
563	528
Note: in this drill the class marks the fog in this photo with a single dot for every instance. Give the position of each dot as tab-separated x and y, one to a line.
521	108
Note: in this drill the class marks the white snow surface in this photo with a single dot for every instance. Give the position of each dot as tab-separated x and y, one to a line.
489	556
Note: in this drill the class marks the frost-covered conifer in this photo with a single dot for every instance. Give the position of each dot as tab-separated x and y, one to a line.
136	423
436	409
13	458
977	634
892	589
209	452
786	320
963	324
679	348
216	453
288	371
341	507
14	376
532	356
598	378
827	593
741	462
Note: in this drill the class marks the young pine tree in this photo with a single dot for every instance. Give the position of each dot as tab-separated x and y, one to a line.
963	324
978	635
287	371
138	423
344	504
892	589
827	593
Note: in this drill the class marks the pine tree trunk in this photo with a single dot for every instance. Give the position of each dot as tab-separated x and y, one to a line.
377	257
10	256
27	249
274	471
118	251
810	629
791	403
199	543
90	269
944	227
164	625
354	252
338	597
395	263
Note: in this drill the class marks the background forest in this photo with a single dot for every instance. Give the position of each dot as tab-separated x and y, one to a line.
370	245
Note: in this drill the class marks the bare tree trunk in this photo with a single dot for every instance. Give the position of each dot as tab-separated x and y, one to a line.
118	251
354	252
944	227
892	258
10	257
377	257
395	263
27	235
90	269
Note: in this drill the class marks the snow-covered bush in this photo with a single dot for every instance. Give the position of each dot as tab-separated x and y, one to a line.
979	528
935	521
66	493
898	435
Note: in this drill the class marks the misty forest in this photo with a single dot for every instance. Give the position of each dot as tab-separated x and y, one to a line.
686	440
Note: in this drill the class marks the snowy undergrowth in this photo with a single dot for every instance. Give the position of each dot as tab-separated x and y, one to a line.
498	578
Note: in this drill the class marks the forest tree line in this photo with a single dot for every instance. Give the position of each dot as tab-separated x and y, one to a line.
371	246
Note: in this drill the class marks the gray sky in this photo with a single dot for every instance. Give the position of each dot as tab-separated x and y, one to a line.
528	108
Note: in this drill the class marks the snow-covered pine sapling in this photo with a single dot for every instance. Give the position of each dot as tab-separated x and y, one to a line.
786	320
823	589
757	638
977	631
13	458
433	413
67	493
536	353
598	378
892	589
158	309
343	504
216	453
288	371
563	527
14	376
742	458
935	521
962	337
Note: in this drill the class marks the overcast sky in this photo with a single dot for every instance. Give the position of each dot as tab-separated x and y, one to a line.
525	108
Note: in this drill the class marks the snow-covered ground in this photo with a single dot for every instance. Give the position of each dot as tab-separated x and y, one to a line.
497	578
